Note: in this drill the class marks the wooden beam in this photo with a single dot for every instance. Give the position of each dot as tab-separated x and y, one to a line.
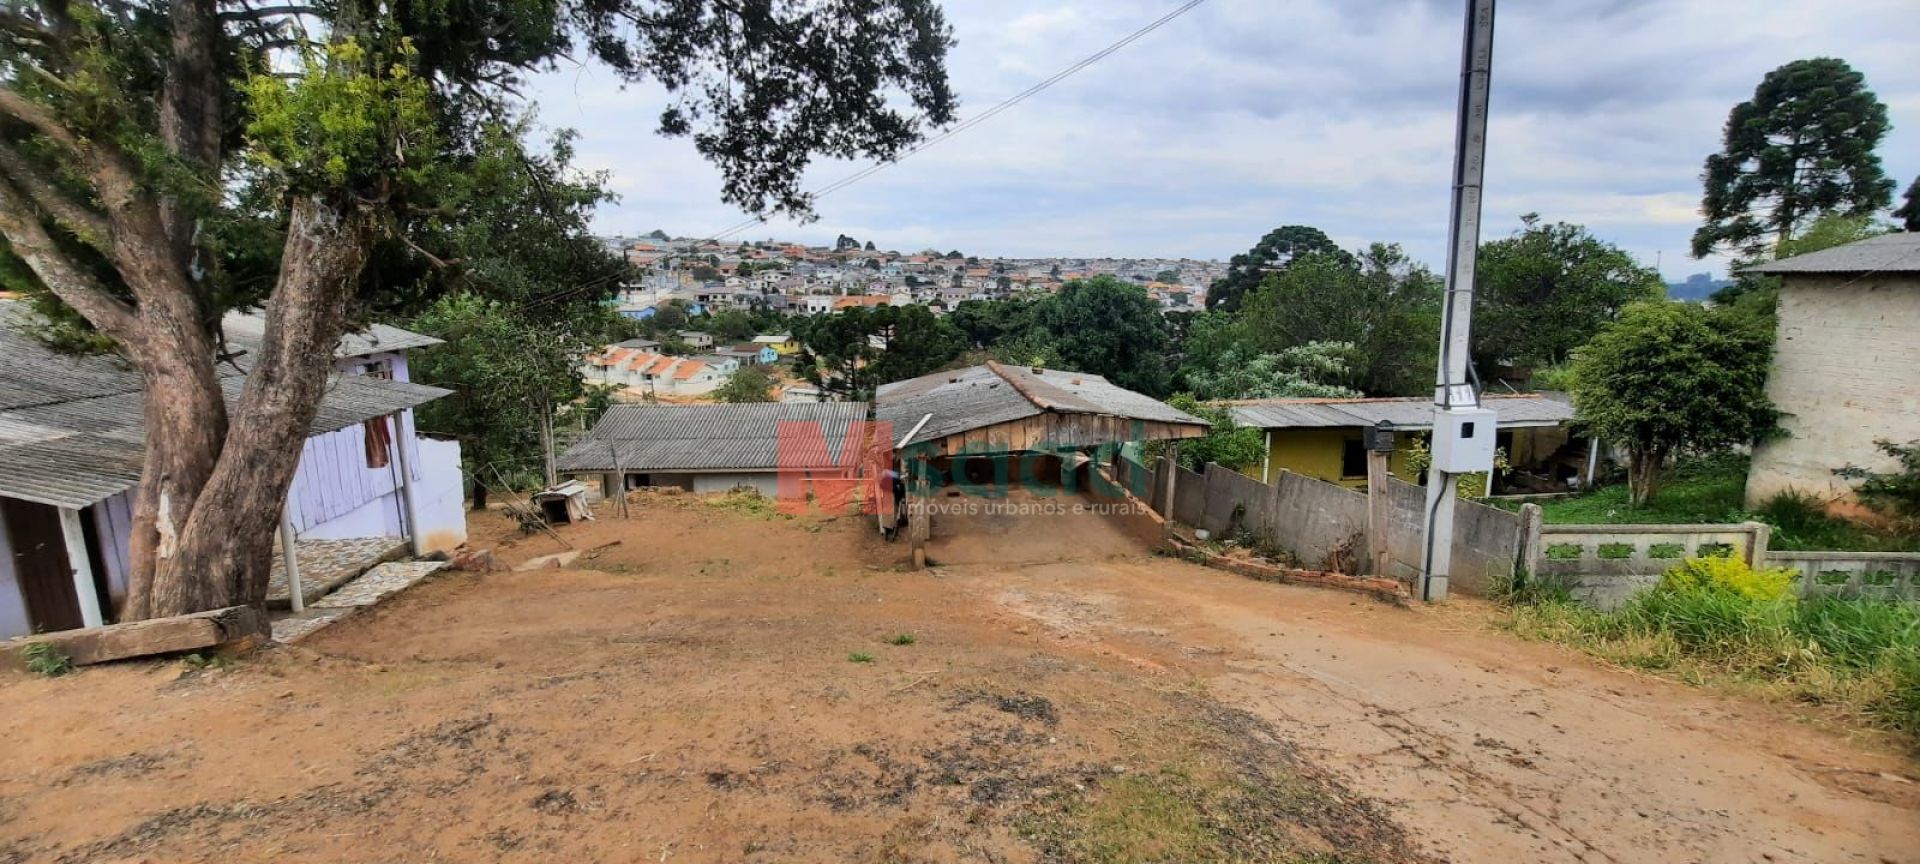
219	627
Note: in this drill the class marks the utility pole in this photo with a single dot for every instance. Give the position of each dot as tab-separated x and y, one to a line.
1463	433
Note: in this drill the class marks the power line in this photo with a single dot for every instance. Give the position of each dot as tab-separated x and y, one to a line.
984	116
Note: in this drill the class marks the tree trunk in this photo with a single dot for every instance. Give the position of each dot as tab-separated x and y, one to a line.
215	548
1643	474
479	494
185	417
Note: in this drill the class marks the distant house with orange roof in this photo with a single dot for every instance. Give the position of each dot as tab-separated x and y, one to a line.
647	373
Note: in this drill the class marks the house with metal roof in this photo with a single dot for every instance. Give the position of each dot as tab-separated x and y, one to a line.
1016	432
713	448
71	453
1844	366
1323	438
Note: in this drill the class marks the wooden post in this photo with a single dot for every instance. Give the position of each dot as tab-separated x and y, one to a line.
1379	512
403	437
1173	480
296	594
546	445
82	567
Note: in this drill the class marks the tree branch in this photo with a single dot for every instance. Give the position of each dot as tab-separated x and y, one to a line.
20	224
255	14
34	114
91	227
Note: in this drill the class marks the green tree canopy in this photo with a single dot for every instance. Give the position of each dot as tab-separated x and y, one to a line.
162	163
1227	444
1671	377
853	351
1272	254
750	384
1300	371
1382	303
1109	328
1544	291
1803	146
1909	212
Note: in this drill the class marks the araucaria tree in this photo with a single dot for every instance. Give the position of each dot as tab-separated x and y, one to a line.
1670	377
1909	211
162	162
1802	147
1272	254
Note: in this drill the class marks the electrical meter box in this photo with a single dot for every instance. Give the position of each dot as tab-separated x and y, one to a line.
1463	440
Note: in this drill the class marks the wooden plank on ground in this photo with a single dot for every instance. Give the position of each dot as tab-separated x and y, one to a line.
193	632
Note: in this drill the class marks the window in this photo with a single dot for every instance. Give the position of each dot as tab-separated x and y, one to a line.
1353	458
379	441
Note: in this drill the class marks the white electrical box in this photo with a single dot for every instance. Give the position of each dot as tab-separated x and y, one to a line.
1463	440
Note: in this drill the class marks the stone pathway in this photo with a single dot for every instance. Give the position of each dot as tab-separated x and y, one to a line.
328	564
377	584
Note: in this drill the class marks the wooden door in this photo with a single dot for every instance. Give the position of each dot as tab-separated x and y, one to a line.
40	565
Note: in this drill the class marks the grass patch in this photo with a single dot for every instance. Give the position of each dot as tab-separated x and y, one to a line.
46	659
859	657
1712	490
747	502
902	639
1718	621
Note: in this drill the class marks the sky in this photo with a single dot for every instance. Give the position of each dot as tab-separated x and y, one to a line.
1244	115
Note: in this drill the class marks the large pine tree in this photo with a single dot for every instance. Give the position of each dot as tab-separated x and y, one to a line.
1801	148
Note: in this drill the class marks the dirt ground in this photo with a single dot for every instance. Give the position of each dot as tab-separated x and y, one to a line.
724	685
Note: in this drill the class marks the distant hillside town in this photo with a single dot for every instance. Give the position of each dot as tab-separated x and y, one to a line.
794	278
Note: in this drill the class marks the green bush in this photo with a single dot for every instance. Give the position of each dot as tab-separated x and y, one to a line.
1721	574
1718	618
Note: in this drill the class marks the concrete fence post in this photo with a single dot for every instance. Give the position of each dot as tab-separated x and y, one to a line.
1760	534
1532	525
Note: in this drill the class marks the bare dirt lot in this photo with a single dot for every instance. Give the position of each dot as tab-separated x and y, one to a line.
726	686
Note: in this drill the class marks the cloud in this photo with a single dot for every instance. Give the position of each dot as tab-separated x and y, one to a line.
1247	114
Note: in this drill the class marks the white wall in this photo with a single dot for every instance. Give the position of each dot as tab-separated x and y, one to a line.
13	605
1844	374
440	496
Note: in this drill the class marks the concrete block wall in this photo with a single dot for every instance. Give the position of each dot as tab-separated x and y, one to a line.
1487	541
1843	377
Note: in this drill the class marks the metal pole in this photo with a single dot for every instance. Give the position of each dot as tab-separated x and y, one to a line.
295	593
401	438
1451	386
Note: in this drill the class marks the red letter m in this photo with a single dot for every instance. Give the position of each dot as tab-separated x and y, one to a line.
812	471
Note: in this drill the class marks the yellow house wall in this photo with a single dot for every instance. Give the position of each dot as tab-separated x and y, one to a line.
1316	452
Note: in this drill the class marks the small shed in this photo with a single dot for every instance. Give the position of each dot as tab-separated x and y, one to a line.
1000	430
564	504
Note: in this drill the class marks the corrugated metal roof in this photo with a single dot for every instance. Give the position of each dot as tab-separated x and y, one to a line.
1887	253
650	438
1407	414
70	427
980	396
248	328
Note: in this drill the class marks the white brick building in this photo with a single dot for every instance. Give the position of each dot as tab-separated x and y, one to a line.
1846	365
